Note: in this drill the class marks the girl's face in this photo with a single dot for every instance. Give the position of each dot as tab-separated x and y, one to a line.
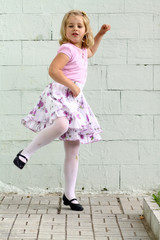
75	30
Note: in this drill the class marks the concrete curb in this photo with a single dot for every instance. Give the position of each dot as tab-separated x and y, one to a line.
152	215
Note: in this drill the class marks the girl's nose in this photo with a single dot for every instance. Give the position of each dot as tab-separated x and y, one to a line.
75	28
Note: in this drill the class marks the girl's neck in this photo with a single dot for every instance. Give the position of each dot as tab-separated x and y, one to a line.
78	45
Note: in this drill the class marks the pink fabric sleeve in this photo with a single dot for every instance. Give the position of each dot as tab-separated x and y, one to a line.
66	49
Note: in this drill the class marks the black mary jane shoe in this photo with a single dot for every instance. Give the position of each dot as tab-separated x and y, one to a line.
20	164
73	206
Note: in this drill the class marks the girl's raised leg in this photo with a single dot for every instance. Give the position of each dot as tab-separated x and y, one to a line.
47	135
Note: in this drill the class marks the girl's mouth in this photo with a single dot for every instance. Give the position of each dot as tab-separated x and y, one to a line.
75	34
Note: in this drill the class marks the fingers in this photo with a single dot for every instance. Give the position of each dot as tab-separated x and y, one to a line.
106	26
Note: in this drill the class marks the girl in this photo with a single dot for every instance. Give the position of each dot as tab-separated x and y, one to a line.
62	111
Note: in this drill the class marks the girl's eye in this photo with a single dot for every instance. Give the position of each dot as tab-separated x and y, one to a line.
79	26
70	26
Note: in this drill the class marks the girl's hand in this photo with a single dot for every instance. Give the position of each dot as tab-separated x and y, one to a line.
105	28
75	90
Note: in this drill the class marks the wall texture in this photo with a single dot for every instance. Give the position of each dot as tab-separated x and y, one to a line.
123	89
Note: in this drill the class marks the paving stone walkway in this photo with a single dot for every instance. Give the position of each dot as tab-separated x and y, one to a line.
45	217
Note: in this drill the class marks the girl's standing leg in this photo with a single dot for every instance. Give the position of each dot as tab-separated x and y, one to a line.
47	135
71	167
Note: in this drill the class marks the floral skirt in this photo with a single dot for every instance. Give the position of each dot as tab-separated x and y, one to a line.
58	101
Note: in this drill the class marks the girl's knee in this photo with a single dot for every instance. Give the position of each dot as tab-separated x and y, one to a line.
63	124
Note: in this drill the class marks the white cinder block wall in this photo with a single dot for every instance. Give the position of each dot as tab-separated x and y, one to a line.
123	89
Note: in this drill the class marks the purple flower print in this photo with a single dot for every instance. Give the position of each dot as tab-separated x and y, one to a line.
70	120
50	86
40	104
81	105
91	137
68	92
78	116
63	136
87	117
81	136
66	113
33	112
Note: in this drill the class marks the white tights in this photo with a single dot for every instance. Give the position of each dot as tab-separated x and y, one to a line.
46	136
71	167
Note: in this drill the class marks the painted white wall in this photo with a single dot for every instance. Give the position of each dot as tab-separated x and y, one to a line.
123	89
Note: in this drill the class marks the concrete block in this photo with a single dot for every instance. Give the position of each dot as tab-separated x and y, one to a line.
111	52
141	175
156	77
96	78
9	149
142	6
152	215
137	53
131	206
104	102
156	26
135	102
8	6
50	154
29	100
157	127
37	27
11	102
149	152
95	153
56	25
121	152
94	21
88	6
123	26
100	6
33	177
10	53
12	129
46	6
110	152
39	52
118	127
130	77
24	77
108	177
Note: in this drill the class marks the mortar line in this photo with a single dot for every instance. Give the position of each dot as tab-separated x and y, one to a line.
39	226
120	205
119	177
59	205
91	219
29	205
12	227
119	227
66	227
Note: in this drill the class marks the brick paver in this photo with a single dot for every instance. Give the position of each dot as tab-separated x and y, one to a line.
104	217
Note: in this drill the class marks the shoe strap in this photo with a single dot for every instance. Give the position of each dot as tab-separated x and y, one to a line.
73	199
22	156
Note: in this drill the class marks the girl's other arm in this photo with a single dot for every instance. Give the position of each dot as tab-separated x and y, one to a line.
56	73
97	39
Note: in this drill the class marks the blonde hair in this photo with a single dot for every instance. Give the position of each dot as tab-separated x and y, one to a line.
88	40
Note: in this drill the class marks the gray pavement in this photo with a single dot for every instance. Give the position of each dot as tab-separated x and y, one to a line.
105	217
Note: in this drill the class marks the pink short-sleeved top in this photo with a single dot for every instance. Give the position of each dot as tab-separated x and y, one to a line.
76	68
